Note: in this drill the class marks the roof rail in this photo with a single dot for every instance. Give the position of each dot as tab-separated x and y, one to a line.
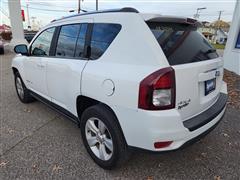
125	9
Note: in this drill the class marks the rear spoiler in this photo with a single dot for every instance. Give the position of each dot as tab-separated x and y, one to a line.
179	20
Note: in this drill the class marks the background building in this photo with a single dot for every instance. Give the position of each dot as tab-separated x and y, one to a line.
216	32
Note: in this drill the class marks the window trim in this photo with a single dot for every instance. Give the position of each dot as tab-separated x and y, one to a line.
55	41
30	48
88	41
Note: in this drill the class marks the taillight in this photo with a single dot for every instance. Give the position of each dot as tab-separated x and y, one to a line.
157	91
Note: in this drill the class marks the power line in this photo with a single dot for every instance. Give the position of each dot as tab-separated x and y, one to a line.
3	10
225	14
46	4
4	13
52	10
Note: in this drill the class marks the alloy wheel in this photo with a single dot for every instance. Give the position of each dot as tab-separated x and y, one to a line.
99	139
19	86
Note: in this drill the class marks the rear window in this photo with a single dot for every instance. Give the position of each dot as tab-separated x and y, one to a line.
182	43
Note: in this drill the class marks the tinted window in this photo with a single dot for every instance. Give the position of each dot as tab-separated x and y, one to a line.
81	41
182	43
102	37
238	41
67	41
41	46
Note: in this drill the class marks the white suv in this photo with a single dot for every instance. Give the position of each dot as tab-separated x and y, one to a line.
130	80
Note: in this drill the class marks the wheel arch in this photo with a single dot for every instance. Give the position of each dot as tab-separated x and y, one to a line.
84	102
17	66
15	70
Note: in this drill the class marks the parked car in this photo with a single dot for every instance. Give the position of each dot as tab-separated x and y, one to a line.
129	80
29	36
1	47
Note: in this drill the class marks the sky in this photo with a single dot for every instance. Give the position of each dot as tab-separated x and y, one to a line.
46	10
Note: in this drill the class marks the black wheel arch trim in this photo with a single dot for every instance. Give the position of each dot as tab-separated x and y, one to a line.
103	104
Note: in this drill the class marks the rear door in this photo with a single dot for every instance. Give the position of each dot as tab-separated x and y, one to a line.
65	69
198	69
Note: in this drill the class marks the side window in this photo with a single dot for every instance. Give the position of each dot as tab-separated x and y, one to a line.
67	40
41	45
102	36
81	41
238	41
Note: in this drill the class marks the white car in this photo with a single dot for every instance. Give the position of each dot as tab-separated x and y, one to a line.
130	80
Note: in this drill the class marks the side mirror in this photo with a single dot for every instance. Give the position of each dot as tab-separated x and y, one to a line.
21	49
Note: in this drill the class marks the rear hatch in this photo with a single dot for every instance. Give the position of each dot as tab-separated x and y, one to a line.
198	68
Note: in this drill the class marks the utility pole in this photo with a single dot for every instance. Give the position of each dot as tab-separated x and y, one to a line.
219	19
218	24
96	5
29	23
220	14
79	6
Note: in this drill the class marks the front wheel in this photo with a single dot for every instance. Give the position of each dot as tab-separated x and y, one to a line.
103	138
1	50
22	91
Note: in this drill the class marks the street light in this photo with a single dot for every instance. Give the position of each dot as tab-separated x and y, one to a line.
196	16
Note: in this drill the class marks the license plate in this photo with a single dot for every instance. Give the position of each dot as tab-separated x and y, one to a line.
210	86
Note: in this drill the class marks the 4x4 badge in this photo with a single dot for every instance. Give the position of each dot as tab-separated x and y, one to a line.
183	104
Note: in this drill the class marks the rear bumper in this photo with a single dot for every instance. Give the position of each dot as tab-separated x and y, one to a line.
186	144
208	115
143	128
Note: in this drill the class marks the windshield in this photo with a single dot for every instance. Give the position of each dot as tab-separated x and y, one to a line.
182	43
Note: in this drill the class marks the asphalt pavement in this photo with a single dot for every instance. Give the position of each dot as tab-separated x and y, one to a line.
38	143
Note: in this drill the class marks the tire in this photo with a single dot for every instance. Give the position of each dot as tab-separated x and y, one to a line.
22	91
1	51
119	153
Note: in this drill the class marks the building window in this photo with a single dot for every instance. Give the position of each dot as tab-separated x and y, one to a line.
238	41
